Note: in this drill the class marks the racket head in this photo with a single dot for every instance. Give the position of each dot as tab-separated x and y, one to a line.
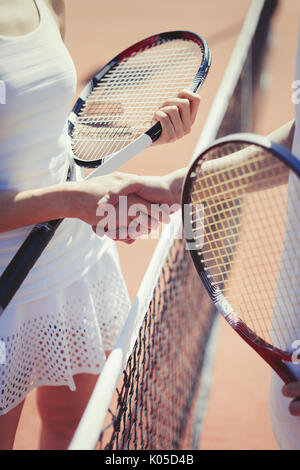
118	103
239	228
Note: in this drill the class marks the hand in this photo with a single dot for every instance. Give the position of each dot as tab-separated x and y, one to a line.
129	219
85	196
292	390
97	202
177	116
97	199
164	189
128	211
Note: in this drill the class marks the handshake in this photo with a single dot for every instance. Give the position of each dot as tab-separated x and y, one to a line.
125	207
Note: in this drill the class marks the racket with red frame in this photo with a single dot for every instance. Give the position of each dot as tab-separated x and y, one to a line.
241	216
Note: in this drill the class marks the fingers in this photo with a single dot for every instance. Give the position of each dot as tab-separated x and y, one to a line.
122	187
131	218
294	407
179	113
292	390
194	102
116	235
168	132
177	116
127	209
134	230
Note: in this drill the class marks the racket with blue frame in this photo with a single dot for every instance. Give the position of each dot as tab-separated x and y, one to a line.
241	216
112	120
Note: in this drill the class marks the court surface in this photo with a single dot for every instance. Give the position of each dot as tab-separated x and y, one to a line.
237	411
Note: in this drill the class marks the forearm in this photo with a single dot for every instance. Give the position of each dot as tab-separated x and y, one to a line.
283	135
19	209
77	199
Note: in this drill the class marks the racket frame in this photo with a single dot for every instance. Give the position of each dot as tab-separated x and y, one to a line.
41	234
155	131
275	357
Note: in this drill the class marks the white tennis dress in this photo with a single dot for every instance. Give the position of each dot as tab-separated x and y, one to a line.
286	427
74	302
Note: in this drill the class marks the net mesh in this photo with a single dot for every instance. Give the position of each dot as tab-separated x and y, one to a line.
121	107
155	405
250	228
156	396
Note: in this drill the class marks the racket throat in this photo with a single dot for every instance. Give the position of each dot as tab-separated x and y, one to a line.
114	161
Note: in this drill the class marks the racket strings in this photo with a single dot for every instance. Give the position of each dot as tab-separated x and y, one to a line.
235	289
233	180
250	242
122	106
220	232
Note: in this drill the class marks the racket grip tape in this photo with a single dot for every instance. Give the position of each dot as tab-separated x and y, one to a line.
154	132
25	258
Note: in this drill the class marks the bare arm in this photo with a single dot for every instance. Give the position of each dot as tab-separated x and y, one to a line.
80	200
292	390
270	172
19	209
283	135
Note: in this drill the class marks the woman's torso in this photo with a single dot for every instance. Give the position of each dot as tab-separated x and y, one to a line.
35	151
40	83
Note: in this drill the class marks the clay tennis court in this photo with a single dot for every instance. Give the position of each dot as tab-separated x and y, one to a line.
237	408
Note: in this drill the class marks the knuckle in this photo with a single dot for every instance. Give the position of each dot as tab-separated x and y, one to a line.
293	409
173	110
185	102
164	118
167	103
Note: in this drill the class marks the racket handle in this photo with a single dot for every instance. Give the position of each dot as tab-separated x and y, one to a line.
154	132
26	256
118	159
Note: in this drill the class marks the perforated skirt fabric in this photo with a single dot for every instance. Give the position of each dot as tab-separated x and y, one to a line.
73	303
65	333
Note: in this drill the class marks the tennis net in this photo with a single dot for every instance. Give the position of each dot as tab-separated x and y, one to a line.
147	396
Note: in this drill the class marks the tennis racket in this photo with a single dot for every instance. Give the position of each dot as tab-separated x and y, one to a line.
112	120
241	217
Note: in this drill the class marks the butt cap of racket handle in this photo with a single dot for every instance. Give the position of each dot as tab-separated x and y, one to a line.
155	131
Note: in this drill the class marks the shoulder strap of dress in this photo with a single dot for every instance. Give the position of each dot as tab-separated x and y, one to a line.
47	15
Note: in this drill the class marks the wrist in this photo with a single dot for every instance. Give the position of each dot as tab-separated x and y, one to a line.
175	182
